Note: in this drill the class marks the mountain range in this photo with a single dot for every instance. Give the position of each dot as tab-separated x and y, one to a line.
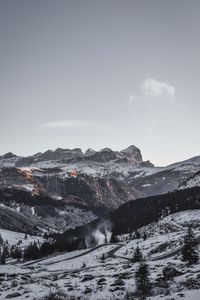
89	183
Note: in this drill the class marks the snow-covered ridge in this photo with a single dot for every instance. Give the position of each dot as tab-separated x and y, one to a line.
132	154
96	163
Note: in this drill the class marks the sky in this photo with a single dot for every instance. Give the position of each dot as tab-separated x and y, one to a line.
95	74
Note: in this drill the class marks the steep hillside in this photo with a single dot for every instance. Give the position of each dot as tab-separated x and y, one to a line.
192	181
13	220
21	211
140	212
137	213
102	179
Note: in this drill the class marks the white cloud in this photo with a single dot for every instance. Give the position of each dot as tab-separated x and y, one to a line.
154	88
79	125
69	124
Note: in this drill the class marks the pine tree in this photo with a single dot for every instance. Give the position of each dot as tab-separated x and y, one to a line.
45	236
35	251
103	258
143	284
84	265
190	250
16	253
136	235
113	239
31	252
1	239
45	249
137	255
3	256
144	236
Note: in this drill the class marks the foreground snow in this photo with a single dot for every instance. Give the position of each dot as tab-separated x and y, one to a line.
85	274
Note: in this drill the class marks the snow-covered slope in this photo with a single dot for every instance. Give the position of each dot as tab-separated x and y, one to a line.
106	271
17	238
164	236
25	218
192	181
12	219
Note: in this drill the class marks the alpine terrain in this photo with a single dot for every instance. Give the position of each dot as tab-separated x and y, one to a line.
77	225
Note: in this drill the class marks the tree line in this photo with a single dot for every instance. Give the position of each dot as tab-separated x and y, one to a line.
143	211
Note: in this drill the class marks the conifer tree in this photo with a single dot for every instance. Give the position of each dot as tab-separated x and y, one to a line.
143	284
190	250
31	252
113	239
1	239
3	256
136	235
137	255
103	258
16	253
144	236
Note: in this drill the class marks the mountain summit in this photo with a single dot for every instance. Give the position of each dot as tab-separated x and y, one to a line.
130	155
134	152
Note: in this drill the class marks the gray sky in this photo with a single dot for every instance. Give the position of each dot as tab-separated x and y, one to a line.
100	73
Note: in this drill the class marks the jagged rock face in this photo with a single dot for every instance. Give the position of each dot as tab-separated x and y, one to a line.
91	191
88	191
11	176
130	155
60	154
50	155
89	152
133	153
103	156
9	155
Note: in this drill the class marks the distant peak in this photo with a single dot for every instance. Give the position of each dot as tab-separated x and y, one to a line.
130	149
105	150
9	155
133	151
89	151
68	150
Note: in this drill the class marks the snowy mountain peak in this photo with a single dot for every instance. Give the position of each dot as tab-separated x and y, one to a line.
89	152
133	151
9	155
106	150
